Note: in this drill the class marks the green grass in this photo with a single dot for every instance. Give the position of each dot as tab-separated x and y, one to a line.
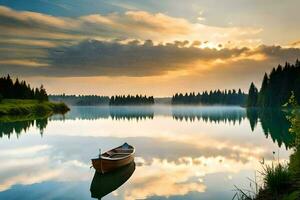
293	196
277	178
277	182
32	108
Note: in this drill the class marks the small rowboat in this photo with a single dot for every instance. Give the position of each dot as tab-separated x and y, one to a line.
114	158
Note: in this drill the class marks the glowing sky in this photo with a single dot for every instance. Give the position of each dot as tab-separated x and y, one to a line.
146	46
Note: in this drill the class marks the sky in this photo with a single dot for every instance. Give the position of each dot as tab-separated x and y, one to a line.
146	46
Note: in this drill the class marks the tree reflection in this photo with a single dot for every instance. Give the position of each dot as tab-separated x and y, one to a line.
8	128
216	116
272	121
106	112
274	124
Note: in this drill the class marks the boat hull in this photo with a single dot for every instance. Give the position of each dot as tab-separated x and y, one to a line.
105	165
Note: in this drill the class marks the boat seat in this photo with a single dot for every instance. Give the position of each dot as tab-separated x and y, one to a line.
122	153
124	150
110	153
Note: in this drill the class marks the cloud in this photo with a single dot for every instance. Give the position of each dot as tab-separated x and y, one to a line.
25	63
117	45
130	24
15	20
98	58
135	59
295	44
24	31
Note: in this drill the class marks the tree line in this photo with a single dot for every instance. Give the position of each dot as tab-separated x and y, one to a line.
276	87
225	97
131	100
17	89
81	100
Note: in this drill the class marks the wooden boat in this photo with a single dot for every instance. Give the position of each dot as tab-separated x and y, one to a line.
114	158
103	184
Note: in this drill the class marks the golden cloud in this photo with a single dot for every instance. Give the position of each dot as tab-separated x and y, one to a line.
157	26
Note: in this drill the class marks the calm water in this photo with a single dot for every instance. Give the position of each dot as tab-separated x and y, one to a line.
181	152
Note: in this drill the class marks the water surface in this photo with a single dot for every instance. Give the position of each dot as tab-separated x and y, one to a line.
187	152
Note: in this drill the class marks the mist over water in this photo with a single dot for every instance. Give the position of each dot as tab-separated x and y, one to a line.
194	152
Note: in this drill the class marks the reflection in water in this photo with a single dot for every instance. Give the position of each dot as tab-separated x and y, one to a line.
209	114
8	128
128	113
201	159
273	122
104	112
103	184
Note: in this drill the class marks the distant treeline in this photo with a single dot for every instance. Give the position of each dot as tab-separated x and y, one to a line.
276	87
10	89
131	100
81	100
226	97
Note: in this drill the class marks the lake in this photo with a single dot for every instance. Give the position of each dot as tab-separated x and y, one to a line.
182	152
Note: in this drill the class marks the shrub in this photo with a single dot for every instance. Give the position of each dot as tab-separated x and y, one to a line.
276	178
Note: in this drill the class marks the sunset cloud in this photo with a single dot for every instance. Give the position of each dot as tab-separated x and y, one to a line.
131	24
135	59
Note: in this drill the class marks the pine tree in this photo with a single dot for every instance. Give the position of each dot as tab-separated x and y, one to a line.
252	96
263	93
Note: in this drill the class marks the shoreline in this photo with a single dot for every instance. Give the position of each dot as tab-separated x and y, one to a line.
18	108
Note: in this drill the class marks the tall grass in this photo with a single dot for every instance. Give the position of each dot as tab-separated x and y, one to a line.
277	178
25	107
276	181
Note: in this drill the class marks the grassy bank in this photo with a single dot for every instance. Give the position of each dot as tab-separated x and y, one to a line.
280	181
16	107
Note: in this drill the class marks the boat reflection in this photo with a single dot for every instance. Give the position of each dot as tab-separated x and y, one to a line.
103	184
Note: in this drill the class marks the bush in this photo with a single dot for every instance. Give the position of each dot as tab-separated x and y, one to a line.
277	178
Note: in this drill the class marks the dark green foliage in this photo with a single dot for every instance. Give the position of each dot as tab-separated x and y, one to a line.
20	90
277	183
252	96
41	94
263	93
277	178
276	88
131	100
81	100
294	118
230	97
294	165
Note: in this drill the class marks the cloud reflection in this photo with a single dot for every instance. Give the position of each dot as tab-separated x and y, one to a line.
180	155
